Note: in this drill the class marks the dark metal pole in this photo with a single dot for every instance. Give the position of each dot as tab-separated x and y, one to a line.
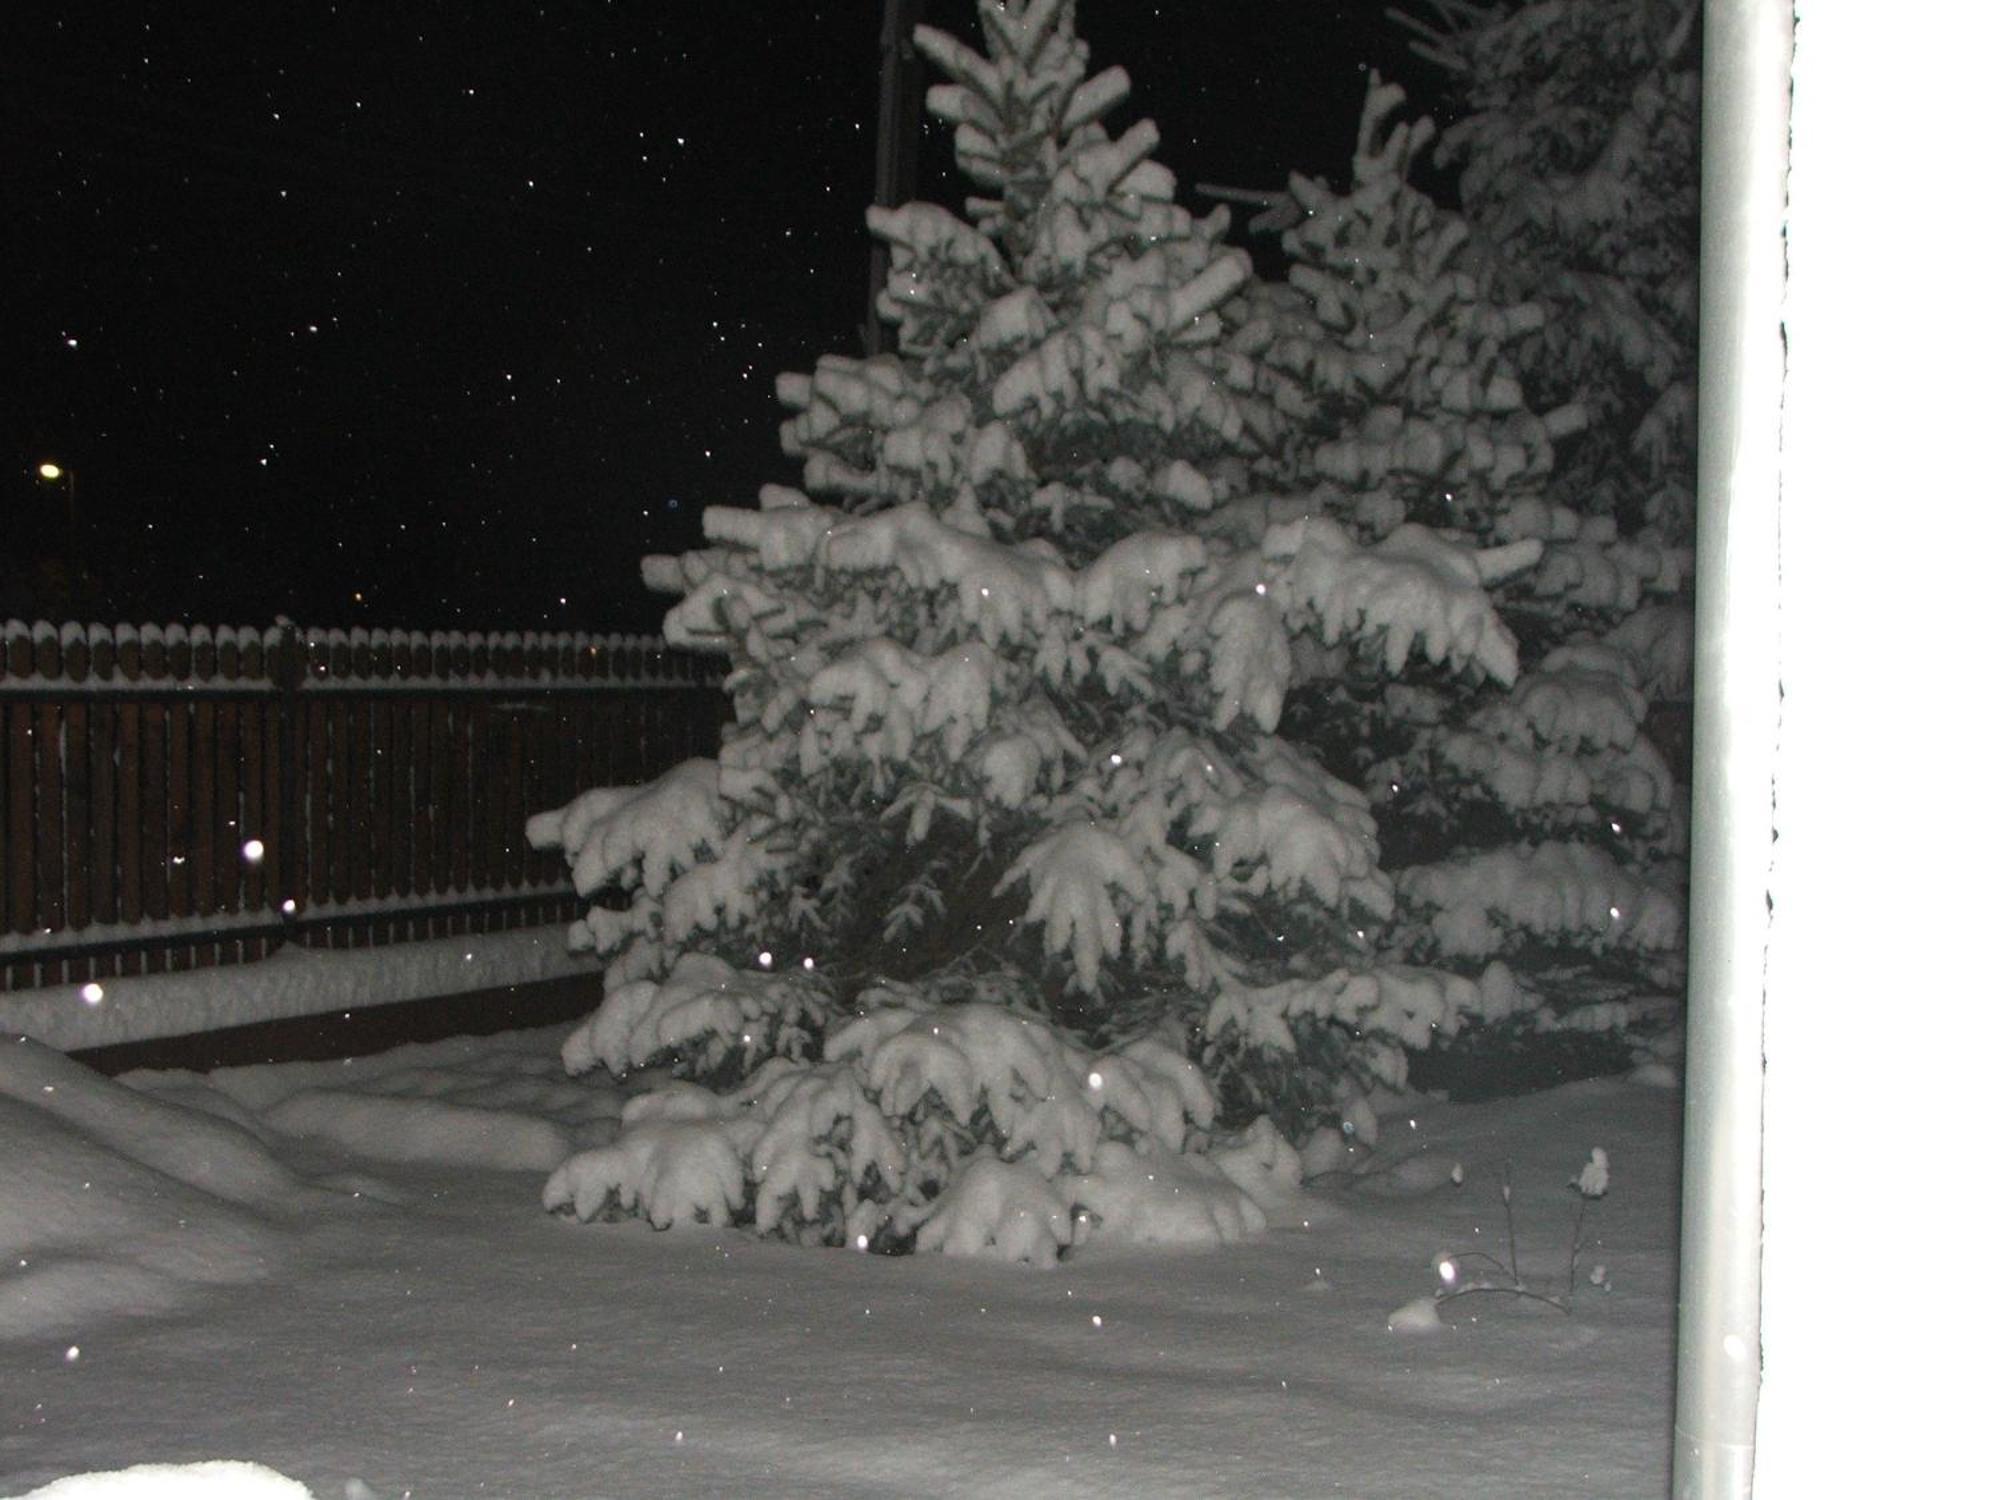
1746	86
76	559
896	119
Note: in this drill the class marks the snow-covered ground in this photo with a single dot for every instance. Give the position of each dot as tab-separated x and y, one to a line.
294	981
342	1271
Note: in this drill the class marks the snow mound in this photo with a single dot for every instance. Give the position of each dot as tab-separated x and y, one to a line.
1656	1075
1418	1315
1415	1176
501	1104
424	1130
1164	1198
114	1202
210	1155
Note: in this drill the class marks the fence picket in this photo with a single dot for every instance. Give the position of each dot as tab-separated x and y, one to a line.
206	776
315	821
420	798
180	802
20	754
103	813
153	813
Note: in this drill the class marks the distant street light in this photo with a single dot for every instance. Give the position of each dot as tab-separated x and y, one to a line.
55	473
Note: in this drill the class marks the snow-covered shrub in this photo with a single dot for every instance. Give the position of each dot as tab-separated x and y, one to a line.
1004	905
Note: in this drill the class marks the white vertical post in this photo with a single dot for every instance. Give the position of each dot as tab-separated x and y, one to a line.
1746	51
1879	1097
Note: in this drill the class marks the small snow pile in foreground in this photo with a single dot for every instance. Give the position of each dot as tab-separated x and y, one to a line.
220	1480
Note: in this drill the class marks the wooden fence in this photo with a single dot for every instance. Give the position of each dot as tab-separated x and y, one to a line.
174	798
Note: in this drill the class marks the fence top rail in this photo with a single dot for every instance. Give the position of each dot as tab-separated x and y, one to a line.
43	656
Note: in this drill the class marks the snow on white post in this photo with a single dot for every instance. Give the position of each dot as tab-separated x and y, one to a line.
1003	904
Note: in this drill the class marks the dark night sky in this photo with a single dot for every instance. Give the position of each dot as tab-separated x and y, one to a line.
464	307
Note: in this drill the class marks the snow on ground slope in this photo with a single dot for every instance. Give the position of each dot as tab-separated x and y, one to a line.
112	1201
428	1331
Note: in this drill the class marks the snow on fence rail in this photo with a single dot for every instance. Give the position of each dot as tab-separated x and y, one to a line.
172	798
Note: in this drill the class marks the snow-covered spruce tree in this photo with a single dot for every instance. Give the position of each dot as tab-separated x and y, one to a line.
1578	148
1577	145
1003	912
1533	825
